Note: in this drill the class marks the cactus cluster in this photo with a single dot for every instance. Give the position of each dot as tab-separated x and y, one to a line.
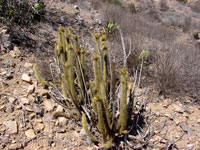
92	98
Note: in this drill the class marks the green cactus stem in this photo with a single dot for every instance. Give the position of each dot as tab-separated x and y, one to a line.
102	125
97	37
70	65
38	77
97	72
85	127
122	122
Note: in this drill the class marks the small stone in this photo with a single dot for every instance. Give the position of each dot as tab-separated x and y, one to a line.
48	105
44	92
59	109
62	121
39	127
30	133
53	144
18	107
26	77
24	100
15	146
28	65
39	120
190	146
12	99
15	52
12	127
178	108
28	108
198	121
186	128
31	89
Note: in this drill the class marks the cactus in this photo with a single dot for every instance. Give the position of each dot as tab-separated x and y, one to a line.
102	125
38	77
92	98
122	122
85	127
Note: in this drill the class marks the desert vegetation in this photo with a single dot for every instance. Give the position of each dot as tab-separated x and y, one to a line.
109	74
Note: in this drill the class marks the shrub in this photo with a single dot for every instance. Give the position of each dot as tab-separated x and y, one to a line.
132	8
95	100
21	13
196	6
187	24
163	5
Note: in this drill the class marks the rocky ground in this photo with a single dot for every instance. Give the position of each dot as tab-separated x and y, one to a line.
30	119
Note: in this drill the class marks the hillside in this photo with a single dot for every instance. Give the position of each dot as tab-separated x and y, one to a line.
30	118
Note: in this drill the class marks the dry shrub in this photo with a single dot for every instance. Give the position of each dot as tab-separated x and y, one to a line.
178	70
166	71
177	65
187	24
196	7
164	5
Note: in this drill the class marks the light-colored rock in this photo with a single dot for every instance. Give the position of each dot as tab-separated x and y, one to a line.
15	52
14	146
29	108
39	127
198	121
24	100
48	105
30	89
178	108
62	121
12	99
28	65
30	133
59	109
12	127
43	92
26	77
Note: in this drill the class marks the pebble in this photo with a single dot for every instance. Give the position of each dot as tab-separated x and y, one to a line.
39	127
30	133
12	126
28	65
31	89
48	105
24	100
15	146
26	77
12	99
62	121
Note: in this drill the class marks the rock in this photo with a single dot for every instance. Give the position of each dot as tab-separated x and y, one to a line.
28	65
48	105
43	92
76	7
31	89
62	121
186	128
15	52
178	108
39	127
24	100
12	99
190	146
12	127
29	108
15	146
5	39
30	133
26	77
59	109
198	121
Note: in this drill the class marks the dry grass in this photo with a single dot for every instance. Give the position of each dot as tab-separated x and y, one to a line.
177	64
